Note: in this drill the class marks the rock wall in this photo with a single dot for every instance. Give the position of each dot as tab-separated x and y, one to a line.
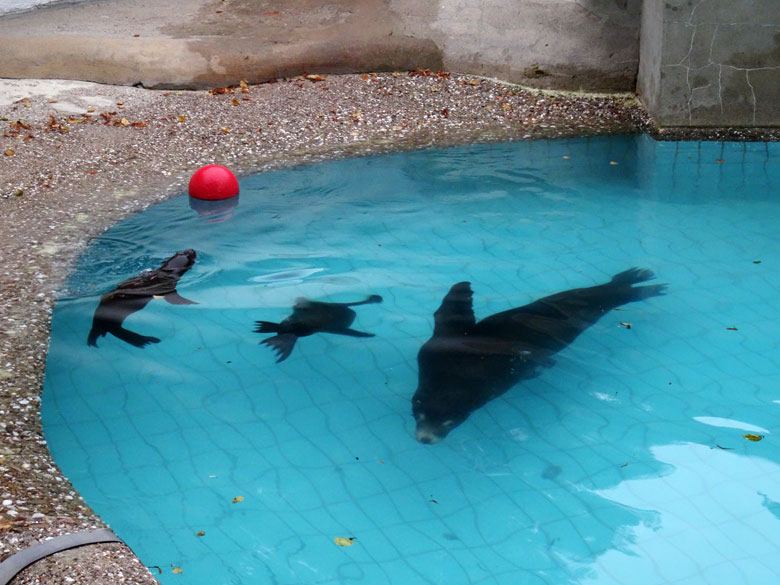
711	63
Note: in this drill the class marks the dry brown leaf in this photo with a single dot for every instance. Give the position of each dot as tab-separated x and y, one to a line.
9	152
238	499
344	541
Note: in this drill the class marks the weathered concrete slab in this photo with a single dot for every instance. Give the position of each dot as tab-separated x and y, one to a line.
559	44
197	44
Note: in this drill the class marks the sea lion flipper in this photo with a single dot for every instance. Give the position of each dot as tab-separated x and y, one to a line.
455	316
133	338
94	333
282	344
175	298
350	332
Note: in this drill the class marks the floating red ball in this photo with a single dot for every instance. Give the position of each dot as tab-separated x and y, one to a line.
213	182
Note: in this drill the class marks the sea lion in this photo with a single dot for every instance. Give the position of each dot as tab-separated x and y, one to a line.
466	363
133	295
311	317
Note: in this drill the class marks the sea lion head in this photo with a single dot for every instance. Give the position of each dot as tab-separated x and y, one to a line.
433	421
180	262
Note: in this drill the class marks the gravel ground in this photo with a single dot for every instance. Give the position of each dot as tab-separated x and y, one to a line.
73	164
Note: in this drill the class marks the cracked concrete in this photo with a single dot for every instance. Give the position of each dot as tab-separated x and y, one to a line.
711	62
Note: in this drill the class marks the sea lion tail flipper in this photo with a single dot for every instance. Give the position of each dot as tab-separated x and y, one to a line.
175	298
266	327
632	276
636	275
645	292
133	338
282	344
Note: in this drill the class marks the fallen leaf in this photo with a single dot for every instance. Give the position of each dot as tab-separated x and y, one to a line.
731	329
238	499
226	130
234	101
753	437
139	124
181	118
625	324
125	122
612	162
343	541
9	152
720	160
244	86
315	78
756	261
52	101
506	107
177	571
201	533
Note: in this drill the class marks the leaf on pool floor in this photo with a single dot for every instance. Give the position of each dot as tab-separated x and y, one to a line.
731	329
238	499
626	324
177	571
753	437
344	541
201	533
613	163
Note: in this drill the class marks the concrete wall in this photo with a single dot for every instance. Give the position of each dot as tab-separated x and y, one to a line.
712	63
559	44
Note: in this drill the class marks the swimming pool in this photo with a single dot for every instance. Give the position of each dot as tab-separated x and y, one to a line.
646	453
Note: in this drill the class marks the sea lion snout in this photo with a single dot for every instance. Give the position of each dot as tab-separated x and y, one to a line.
180	262
429	431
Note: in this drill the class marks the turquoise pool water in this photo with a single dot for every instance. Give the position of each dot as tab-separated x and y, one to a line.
625	462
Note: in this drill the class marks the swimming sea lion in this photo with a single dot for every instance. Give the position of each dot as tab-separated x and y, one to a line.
133	295
465	364
311	317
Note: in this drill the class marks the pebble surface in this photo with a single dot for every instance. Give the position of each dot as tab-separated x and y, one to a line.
73	165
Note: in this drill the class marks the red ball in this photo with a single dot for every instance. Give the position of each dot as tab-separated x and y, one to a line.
213	182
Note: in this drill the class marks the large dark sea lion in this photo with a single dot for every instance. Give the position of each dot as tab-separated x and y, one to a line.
134	294
310	317
465	364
